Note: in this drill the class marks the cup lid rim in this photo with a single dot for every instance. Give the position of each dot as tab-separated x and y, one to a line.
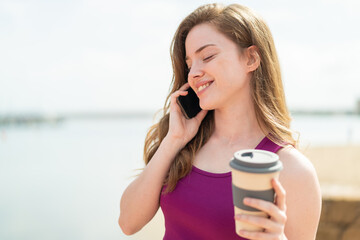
251	160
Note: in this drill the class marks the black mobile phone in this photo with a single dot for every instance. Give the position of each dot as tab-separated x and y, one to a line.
189	104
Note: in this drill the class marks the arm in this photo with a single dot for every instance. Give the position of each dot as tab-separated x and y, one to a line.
303	198
140	201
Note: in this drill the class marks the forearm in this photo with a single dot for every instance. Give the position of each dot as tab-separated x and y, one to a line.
140	201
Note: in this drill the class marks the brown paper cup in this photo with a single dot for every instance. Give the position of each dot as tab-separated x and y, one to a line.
252	171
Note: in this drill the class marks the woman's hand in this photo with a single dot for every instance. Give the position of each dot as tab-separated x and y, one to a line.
274	225
180	128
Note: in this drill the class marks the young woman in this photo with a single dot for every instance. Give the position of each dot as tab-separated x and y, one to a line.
227	56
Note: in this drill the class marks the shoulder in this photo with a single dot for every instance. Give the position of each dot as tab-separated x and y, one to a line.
298	171
295	163
303	195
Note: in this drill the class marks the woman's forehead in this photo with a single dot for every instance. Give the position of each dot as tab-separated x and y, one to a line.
203	35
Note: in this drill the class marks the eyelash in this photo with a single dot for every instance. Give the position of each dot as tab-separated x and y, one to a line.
205	59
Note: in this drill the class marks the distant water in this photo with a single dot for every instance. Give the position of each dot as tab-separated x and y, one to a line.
327	130
65	181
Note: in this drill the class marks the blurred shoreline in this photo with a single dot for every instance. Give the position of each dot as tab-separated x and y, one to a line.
54	118
38	118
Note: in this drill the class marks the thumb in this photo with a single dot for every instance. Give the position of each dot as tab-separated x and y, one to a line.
201	115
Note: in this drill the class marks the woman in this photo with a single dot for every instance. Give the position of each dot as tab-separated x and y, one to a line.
227	56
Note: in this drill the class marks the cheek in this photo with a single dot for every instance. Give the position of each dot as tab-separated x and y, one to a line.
230	72
219	68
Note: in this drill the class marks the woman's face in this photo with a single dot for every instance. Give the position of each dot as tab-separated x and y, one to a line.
218	72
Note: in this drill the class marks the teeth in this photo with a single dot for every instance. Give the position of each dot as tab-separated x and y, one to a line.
203	86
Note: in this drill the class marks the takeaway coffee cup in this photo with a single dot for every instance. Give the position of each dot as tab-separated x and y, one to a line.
252	171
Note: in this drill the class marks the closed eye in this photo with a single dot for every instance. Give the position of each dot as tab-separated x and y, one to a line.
208	58
205	59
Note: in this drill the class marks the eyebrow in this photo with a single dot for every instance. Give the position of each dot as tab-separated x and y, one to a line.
200	49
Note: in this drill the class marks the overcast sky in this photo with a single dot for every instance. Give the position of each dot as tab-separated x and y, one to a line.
113	55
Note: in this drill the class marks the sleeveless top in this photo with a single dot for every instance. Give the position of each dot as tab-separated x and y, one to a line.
201	206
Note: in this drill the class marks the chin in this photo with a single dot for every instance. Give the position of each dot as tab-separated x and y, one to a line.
206	106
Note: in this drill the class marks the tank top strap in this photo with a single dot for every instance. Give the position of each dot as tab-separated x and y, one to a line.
268	145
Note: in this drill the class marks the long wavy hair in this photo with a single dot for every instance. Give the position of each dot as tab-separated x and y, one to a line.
245	28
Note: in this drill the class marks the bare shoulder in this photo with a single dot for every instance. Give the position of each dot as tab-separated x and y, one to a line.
295	163
298	175
303	195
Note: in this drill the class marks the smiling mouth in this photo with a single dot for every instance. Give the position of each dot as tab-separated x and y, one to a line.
202	87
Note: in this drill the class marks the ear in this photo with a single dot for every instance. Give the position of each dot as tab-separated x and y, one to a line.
252	58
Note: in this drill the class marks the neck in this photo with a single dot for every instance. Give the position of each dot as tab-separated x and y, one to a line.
236	124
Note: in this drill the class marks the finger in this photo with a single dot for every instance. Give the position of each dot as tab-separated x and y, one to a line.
268	207
280	194
262	222
184	87
182	91
174	106
176	94
257	235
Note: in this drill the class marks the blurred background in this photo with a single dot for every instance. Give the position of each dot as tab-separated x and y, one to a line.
80	82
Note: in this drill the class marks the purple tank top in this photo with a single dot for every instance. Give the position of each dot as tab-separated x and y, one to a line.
201	206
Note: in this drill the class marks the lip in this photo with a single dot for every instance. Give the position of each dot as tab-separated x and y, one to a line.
197	85
199	93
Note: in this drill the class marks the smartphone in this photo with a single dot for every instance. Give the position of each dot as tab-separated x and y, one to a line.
189	104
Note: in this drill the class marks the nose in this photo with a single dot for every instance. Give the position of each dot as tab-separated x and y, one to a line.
195	72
